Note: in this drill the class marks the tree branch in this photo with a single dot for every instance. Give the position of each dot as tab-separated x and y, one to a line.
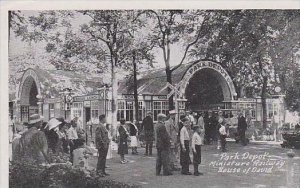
191	44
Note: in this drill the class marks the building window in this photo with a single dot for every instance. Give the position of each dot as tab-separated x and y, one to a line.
160	107
51	111
121	110
77	109
129	111
165	107
270	110
95	116
24	113
141	115
125	110
148	106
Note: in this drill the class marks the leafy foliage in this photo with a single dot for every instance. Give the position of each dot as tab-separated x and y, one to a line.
25	175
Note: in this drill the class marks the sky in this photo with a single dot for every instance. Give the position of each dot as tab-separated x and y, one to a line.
17	46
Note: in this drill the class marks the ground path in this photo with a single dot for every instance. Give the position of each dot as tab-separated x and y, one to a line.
141	170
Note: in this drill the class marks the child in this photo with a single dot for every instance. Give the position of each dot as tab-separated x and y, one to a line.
80	155
223	135
197	141
185	147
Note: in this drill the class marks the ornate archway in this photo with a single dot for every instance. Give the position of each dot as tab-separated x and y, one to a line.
28	95
214	75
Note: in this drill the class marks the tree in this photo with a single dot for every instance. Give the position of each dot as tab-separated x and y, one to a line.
175	27
244	46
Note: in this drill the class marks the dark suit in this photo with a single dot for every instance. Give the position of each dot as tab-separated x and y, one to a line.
242	127
148	128
163	143
102	143
210	129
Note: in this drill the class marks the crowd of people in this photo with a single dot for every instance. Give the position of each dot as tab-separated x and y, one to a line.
174	141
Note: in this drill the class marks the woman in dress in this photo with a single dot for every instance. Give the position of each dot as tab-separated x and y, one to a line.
109	152
133	131
123	136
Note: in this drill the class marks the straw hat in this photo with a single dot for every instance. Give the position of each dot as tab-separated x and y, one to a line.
35	118
161	117
172	112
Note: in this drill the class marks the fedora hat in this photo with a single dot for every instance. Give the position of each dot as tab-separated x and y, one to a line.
35	118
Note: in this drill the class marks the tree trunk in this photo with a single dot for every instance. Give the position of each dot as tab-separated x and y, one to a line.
263	102
114	101
169	79
135	93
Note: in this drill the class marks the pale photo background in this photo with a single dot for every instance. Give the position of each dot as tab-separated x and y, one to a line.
5	6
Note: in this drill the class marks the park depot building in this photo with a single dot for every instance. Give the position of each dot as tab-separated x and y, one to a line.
201	85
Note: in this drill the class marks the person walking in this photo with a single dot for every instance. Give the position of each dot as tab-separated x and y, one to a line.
33	145
197	141
148	129
102	144
172	130
163	143
123	136
242	127
185	159
133	131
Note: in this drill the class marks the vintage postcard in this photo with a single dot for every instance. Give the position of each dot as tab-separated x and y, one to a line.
150	94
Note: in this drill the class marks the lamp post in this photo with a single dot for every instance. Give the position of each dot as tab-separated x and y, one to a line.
68	100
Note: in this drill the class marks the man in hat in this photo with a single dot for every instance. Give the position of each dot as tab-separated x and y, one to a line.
33	146
102	143
172	130
148	129
163	143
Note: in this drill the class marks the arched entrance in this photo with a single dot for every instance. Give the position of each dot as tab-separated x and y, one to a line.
207	85
29	91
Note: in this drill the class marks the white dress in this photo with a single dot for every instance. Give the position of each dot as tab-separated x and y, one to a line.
133	139
109	152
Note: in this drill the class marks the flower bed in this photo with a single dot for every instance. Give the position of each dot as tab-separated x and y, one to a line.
26	175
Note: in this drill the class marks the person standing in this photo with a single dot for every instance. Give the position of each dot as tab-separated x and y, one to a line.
109	151
197	141
242	127
163	143
223	135
72	138
102	144
172	130
209	127
33	145
191	117
123	136
133	131
148	129
185	159
200	122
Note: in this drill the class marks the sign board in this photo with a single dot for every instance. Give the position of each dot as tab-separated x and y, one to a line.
86	98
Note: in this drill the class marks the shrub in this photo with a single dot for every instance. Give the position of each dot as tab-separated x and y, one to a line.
25	175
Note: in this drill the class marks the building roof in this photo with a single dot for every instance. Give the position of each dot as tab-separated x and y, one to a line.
153	82
52	82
